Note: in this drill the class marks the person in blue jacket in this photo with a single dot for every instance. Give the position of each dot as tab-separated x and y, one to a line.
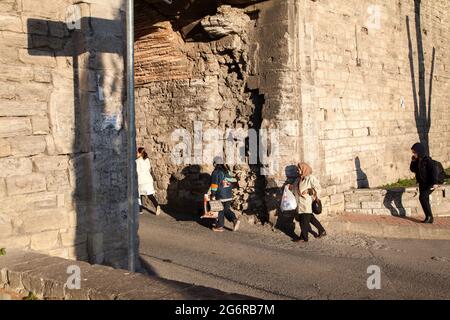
222	189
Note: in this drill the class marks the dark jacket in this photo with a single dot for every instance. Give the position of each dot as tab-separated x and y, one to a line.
222	184
423	168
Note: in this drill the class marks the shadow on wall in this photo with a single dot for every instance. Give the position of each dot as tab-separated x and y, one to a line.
90	133
422	107
185	194
393	202
361	177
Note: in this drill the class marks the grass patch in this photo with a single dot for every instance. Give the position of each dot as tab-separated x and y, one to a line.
405	183
2	251
411	183
31	296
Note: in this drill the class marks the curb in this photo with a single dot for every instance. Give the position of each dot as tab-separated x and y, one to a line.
389	231
47	277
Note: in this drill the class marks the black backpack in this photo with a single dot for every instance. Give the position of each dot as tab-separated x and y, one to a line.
438	172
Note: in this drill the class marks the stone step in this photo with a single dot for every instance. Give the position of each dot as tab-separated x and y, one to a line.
390	227
47	278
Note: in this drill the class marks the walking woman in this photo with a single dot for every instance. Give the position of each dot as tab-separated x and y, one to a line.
222	189
306	188
422	166
145	180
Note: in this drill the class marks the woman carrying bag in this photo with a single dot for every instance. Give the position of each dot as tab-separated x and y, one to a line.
306	189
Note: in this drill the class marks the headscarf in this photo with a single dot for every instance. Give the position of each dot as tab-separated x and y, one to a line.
305	169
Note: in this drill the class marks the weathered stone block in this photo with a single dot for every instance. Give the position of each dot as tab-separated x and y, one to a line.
5	148
12	127
62	121
27	146
337	199
16	73
31	183
13	167
14	108
13	40
2	188
22	203
58	181
37	57
352	205
10	23
44	220
40	125
47	9
16	242
42	75
371	205
44	241
50	163
6	228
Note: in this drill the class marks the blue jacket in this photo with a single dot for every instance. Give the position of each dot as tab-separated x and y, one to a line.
222	185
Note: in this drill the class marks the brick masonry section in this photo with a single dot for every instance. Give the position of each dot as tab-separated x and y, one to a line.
46	276
396	202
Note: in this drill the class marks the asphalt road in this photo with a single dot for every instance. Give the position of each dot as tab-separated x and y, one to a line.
262	263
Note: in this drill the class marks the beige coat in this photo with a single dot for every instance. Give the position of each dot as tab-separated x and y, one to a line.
305	202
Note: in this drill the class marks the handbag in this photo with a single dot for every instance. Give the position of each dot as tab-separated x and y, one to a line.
216	205
316	204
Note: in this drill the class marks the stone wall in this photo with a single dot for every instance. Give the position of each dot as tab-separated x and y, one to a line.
62	146
396	202
375	81
216	74
351	85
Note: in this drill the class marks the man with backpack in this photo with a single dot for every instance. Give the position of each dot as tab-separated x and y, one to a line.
429	174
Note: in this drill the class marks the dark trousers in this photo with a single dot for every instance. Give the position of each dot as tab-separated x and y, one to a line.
306	219
226	213
152	198
424	198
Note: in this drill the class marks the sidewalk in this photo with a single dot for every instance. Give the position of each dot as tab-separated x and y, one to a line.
46	277
390	226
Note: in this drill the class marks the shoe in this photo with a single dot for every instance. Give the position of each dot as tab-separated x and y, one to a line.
141	212
300	240
236	225
158	210
321	235
218	229
429	220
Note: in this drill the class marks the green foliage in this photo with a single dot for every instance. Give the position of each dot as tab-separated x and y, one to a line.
2	251
405	183
410	183
31	296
